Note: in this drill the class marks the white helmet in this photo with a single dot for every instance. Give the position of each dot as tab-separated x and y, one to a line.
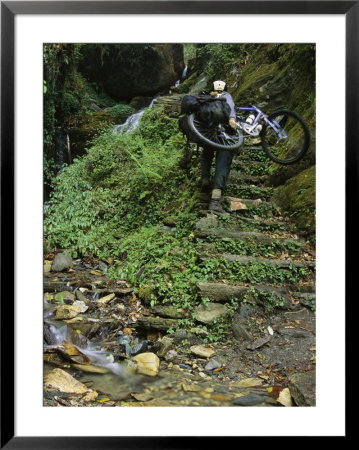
219	86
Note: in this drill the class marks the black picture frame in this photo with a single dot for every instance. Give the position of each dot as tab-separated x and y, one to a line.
9	9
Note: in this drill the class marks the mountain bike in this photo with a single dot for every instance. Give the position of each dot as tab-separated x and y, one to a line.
284	135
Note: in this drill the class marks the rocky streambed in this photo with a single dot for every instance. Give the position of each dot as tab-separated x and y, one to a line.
103	346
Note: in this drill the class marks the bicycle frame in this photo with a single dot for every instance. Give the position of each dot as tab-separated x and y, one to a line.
260	115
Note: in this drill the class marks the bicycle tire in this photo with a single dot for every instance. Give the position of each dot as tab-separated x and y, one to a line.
211	137
293	147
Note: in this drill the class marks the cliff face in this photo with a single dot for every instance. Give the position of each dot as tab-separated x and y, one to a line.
129	70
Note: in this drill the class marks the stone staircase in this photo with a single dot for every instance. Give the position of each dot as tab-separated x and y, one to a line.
254	251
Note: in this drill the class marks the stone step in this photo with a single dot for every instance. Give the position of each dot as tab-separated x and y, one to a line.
210	226
236	176
223	292
251	167
279	263
250	192
249	202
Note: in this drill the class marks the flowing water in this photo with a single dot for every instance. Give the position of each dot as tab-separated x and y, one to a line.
132	122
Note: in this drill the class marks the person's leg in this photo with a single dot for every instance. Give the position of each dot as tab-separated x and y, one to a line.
206	164
223	166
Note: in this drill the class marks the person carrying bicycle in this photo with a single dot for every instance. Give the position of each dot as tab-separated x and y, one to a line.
223	157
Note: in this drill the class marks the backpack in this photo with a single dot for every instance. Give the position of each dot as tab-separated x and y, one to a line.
210	110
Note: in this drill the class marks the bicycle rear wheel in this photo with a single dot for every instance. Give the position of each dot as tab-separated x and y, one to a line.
288	142
218	137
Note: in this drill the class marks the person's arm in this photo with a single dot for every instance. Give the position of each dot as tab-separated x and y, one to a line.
230	102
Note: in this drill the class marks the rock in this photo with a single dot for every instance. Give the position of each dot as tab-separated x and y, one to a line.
185	366
166	344
90	396
249	400
208	313
171	355
65	296
62	262
302	388
213	364
81	297
247	382
168	311
292	332
285	398
236	204
106	299
239	328
81	304
202	351
67	312
220	292
47	268
147	363
62	381
184	335
157	323
88	368
258	343
129	366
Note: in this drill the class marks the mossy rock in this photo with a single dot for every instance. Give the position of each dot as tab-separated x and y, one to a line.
145	293
297	199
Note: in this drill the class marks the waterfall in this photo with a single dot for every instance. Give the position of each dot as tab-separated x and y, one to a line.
61	148
184	73
132	121
177	83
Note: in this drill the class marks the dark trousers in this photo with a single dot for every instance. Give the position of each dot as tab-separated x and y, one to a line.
223	166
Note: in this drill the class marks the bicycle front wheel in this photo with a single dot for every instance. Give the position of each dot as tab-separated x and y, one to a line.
286	137
218	137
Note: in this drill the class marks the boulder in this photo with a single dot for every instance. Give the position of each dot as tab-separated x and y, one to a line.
147	363
62	262
62	381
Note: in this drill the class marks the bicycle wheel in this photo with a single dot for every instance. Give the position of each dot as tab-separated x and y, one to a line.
218	136
288	142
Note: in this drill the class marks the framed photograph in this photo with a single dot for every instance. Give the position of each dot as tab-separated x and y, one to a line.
146	215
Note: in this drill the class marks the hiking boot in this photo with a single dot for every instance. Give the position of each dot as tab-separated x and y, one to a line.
205	185
215	205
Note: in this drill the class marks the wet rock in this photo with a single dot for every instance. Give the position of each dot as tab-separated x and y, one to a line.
302	388
147	363
62	381
81	297
47	268
208	313
239	328
88	368
185	366
140	348
202	351
213	364
285	398
67	312
165	345
106	299
247	382
129	366
62	262
65	296
171	355
249	400
90	396
258	343
81	304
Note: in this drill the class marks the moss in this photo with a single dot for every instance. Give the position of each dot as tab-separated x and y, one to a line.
144	294
297	199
